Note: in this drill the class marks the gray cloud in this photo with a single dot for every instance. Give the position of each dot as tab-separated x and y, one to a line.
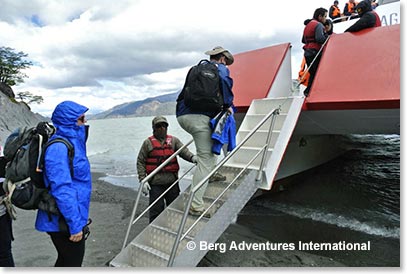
106	48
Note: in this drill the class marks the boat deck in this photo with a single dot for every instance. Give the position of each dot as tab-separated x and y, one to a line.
357	71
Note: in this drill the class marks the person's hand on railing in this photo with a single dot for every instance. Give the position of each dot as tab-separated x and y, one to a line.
194	159
146	188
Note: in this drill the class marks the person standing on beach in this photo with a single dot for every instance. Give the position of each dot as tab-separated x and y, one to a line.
154	151
6	233
70	183
196	123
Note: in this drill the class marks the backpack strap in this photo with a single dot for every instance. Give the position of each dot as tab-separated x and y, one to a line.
71	151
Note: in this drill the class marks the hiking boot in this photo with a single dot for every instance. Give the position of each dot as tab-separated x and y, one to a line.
217	178
198	213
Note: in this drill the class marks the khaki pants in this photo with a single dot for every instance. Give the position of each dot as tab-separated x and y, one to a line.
198	126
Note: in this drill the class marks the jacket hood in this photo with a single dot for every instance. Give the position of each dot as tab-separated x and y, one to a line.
67	113
365	6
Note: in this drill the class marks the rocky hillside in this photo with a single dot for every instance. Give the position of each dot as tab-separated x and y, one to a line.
13	115
160	105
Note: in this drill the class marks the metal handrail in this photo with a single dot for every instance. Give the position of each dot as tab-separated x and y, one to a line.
162	195
145	180
224	191
203	181
313	61
347	17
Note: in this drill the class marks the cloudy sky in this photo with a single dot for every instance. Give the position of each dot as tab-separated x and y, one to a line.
102	53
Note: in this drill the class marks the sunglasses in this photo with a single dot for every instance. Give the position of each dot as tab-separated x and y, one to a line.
160	125
82	119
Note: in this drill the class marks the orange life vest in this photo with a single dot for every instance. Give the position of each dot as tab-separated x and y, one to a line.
336	11
159	154
351	7
301	78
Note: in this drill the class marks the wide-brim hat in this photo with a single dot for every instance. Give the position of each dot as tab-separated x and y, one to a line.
226	53
159	119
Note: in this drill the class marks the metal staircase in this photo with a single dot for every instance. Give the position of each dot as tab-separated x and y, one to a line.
174	238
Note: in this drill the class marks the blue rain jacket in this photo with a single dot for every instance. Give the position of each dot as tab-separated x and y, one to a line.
72	193
223	132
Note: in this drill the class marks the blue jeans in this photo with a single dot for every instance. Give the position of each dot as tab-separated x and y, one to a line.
198	126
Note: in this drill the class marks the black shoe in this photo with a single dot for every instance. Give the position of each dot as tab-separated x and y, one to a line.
217	178
198	213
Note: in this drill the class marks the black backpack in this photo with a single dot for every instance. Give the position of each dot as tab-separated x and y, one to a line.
24	153
201	91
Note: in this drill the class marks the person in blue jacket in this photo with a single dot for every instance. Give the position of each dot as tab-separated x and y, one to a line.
70	188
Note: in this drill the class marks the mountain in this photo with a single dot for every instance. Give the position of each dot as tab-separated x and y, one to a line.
159	105
14	114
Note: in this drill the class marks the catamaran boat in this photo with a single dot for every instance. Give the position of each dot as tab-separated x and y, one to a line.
281	133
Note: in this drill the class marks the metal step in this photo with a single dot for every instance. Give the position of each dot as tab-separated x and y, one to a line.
155	242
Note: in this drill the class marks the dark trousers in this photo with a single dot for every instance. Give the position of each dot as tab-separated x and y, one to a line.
69	253
169	197
309	55
6	236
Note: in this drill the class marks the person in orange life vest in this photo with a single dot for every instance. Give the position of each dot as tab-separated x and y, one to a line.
349	9
314	37
368	17
335	11
153	152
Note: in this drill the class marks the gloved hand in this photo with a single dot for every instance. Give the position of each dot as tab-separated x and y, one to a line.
146	188
194	159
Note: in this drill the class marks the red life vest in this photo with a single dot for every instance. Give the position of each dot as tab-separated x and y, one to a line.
159	154
309	35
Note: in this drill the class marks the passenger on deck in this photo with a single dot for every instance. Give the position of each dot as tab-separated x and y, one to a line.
314	37
335	11
349	9
154	151
374	4
368	18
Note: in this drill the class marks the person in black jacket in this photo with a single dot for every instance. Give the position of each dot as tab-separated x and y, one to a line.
6	234
368	17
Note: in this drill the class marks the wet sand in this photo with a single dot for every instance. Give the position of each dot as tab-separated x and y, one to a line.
110	211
